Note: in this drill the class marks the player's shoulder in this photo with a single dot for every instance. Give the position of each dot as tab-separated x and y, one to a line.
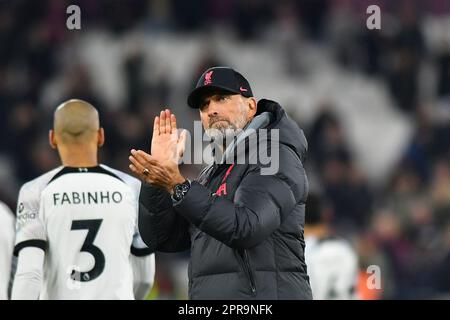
330	243
33	188
338	245
334	240
132	182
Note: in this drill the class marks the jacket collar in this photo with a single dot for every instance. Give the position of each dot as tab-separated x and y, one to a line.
261	120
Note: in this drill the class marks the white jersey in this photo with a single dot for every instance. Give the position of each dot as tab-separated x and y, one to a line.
6	248
86	221
332	268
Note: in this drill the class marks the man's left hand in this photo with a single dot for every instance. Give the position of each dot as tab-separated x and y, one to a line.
164	174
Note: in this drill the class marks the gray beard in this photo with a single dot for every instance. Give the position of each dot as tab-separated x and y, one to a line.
223	136
225	133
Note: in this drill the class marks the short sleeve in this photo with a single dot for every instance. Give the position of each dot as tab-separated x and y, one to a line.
30	227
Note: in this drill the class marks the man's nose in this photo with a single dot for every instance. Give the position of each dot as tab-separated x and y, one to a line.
212	109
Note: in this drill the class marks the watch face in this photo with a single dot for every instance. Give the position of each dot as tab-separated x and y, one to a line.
180	190
177	193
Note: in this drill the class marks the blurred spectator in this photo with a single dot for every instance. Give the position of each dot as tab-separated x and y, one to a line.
440	273
189	16
404	189
440	192
398	251
133	69
22	126
370	254
313	14
443	62
407	49
421	152
327	139
250	17
348	193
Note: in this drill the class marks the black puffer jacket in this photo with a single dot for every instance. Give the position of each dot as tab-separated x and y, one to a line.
248	242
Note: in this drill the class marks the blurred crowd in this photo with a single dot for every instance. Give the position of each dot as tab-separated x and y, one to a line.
402	225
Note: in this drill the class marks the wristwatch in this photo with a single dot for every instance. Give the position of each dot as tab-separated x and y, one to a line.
180	190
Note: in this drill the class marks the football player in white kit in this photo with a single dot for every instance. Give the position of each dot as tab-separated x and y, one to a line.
6	248
77	234
332	262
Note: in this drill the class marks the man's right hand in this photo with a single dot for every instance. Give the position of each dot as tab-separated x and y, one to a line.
166	144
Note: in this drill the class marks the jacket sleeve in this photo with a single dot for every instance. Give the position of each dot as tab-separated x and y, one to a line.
260	204
161	228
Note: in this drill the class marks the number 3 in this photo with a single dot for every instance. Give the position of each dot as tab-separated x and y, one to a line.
93	226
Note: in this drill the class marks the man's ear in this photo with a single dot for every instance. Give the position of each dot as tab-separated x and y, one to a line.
251	106
100	137
52	139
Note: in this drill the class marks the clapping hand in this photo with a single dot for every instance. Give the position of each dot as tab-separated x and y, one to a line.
160	168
